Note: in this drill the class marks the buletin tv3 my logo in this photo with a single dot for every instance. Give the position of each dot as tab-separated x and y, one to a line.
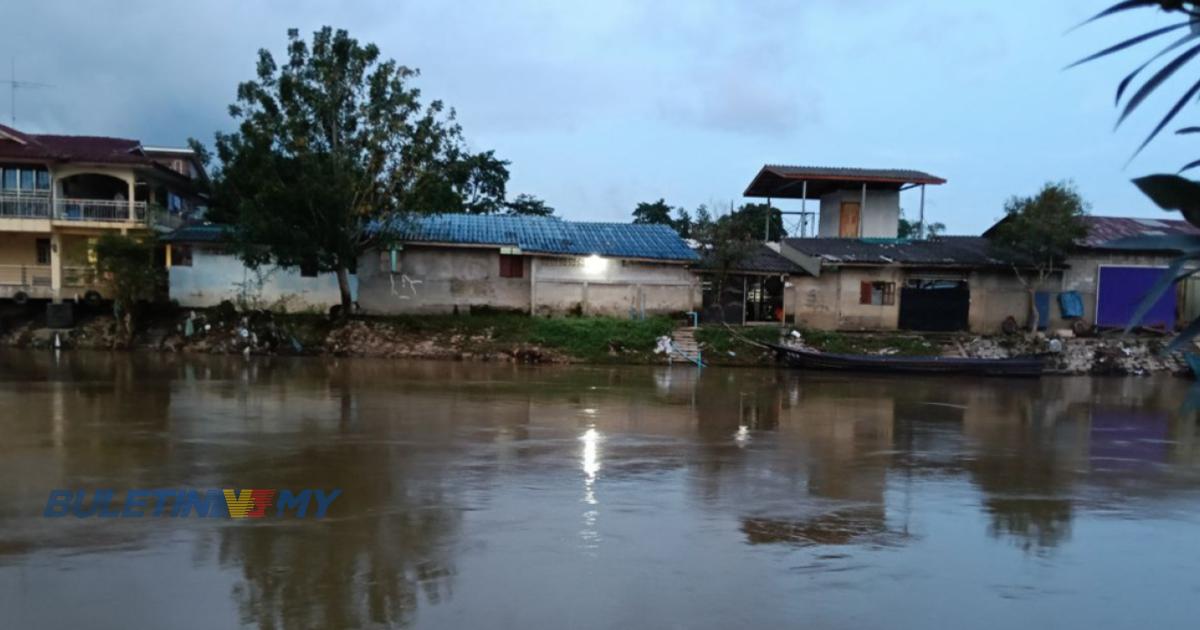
237	503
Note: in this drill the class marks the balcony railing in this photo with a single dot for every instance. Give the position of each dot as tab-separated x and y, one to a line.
97	210
39	276
25	275
21	205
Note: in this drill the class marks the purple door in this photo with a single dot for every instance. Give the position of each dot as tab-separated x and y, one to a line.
1121	290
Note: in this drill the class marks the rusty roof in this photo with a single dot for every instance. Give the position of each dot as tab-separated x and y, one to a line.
1103	230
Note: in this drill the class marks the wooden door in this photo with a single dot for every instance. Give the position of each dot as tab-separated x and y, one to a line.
848	224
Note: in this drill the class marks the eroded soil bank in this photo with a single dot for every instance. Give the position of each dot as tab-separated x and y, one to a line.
503	337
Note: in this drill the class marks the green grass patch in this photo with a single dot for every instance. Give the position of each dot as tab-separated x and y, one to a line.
598	338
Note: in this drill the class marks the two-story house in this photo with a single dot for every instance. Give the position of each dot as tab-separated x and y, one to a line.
59	194
849	270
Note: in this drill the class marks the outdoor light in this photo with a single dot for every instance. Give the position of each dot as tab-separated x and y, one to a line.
594	265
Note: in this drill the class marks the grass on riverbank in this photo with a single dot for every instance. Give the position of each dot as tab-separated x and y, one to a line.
592	339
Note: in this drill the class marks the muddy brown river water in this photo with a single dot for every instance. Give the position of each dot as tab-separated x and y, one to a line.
496	496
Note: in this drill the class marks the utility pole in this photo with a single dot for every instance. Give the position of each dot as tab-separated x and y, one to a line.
13	84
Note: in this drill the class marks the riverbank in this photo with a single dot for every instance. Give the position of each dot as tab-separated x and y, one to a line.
508	337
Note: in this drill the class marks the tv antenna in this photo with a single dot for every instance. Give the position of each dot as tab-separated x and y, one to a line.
13	84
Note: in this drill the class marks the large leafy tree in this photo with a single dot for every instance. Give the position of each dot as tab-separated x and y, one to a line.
1041	229
333	146
660	212
127	265
529	205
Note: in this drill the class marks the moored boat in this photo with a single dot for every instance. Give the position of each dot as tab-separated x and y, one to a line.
812	360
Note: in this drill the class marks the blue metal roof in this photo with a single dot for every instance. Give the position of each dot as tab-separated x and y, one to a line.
547	235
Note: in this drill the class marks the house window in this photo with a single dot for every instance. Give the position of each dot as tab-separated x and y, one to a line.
877	293
181	255
43	251
512	266
308	268
27	178
10	179
43	180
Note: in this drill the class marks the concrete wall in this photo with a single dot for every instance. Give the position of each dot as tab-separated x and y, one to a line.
444	279
880	217
831	301
216	276
17	248
1083	274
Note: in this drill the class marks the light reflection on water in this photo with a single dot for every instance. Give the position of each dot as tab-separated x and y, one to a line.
484	495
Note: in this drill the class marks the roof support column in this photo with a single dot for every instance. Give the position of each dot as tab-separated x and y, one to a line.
767	223
862	209
921	225
803	213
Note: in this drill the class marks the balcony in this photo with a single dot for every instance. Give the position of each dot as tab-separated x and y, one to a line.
35	281
97	210
20	205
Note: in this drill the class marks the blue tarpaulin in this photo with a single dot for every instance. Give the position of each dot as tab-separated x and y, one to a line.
1070	304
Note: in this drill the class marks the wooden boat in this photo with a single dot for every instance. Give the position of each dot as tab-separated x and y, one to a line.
811	360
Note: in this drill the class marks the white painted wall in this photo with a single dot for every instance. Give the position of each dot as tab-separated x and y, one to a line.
880	217
216	276
431	279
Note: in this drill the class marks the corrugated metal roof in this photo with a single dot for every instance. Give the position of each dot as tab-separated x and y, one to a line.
197	233
784	181
548	235
762	260
899	175
1102	230
949	251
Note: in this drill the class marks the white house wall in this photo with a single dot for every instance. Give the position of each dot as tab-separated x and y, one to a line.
880	217
429	279
214	277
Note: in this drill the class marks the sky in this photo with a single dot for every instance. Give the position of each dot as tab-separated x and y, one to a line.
601	105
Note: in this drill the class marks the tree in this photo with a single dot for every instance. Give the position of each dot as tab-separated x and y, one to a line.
1041	229
912	229
724	244
749	222
332	148
683	223
659	212
653	212
529	205
127	264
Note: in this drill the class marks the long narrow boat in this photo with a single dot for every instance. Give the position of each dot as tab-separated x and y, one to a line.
809	360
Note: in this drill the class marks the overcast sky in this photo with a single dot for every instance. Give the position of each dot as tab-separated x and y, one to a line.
601	105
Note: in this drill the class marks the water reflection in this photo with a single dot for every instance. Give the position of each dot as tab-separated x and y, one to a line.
496	495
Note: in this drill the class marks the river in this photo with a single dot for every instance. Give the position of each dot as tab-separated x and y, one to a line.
482	495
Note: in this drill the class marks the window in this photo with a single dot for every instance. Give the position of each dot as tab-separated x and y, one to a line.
181	255
877	293
27	178
43	251
10	179
512	266
43	180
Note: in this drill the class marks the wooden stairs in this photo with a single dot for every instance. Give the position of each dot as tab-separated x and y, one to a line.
684	346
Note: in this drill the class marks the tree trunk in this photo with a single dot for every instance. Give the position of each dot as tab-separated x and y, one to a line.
1033	311
343	276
